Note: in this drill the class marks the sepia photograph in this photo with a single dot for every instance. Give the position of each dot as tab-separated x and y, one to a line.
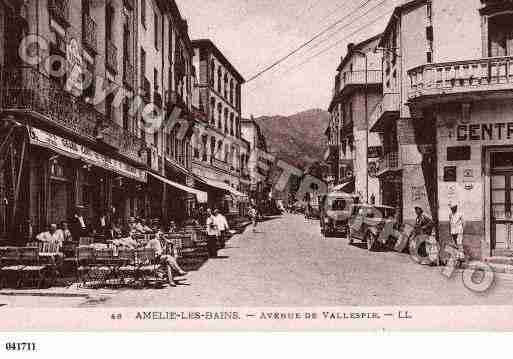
228	164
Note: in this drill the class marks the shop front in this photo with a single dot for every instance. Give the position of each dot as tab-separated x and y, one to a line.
475	171
66	177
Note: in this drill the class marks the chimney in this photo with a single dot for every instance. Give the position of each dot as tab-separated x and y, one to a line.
350	47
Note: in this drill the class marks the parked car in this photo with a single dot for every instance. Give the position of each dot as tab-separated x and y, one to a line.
368	227
336	209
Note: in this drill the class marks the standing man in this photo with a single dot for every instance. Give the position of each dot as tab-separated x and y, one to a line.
456	227
424	227
253	216
212	233
79	225
222	226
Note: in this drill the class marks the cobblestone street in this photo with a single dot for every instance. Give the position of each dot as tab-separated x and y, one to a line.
288	263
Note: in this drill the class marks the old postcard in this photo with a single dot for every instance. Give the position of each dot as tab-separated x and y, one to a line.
265	165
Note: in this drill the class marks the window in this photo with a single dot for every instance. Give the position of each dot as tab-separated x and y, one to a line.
155	79
212	74
500	35
126	117
156	139
231	92
219	77
231	125
109	113
219	116
109	15
126	42
225	120
225	86
143	13
156	29
143	66
212	111
86	7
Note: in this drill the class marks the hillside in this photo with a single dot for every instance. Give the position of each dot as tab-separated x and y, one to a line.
297	139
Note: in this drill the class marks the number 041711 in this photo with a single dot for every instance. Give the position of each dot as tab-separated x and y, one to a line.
20	347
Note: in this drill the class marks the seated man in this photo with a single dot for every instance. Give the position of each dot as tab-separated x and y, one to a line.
66	232
51	236
165	259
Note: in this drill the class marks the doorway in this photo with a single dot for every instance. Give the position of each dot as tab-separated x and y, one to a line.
501	197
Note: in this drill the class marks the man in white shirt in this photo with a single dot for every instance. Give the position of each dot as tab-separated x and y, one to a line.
165	259
212	234
51	236
222	226
457	224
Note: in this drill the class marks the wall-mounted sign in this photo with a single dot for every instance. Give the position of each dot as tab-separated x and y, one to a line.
458	153
418	193
450	174
375	151
485	131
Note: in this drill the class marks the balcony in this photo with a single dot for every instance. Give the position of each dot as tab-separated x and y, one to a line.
128	75
111	56
488	78
388	163
387	109
221	165
89	33
28	91
60	11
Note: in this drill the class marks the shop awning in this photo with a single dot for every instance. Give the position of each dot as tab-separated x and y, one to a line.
224	186
77	151
201	196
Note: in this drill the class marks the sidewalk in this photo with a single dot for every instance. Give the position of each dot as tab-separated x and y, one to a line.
73	291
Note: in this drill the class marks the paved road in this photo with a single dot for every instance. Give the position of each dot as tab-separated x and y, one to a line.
288	263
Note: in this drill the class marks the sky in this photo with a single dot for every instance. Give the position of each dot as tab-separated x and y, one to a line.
255	33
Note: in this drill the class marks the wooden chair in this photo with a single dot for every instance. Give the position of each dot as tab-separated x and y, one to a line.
10	272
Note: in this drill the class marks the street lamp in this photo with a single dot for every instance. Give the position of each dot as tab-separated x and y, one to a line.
366	157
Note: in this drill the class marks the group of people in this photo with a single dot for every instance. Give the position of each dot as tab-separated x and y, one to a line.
424	225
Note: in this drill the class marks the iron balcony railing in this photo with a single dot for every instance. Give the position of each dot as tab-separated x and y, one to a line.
89	33
27	90
487	74
389	162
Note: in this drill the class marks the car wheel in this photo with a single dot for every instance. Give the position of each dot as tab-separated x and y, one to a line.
372	242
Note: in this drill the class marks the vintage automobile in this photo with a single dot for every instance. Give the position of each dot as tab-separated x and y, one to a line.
335	211
366	223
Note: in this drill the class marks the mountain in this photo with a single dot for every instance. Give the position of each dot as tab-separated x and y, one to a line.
297	139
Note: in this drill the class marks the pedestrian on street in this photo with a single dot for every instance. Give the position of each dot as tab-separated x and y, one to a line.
457	225
427	249
222	227
212	233
253	216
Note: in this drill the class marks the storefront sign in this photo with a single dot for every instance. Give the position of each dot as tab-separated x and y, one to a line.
485	131
42	138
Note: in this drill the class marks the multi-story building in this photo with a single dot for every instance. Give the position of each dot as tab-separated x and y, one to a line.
450	86
220	156
260	161
351	146
71	109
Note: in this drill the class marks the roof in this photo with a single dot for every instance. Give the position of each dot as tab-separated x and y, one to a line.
355	47
397	12
208	44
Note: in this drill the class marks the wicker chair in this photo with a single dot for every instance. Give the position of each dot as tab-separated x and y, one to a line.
35	274
127	269
148	268
85	259
10	272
